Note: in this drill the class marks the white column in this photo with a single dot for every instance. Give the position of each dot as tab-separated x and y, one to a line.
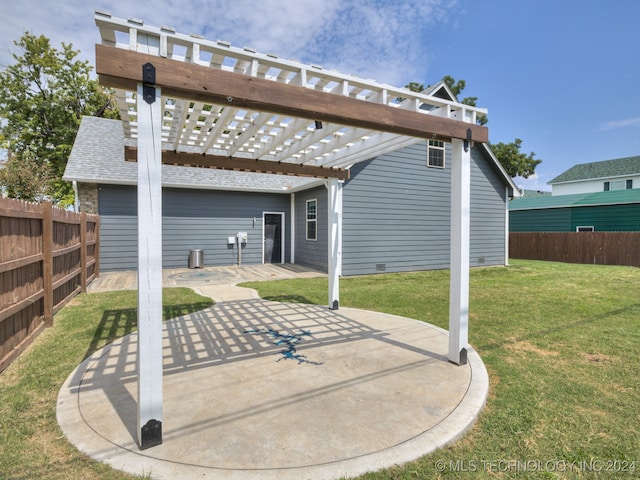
149	426
335	240
292	253
460	221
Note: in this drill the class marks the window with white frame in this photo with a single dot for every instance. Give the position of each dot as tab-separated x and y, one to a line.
312	219
585	229
435	154
618	185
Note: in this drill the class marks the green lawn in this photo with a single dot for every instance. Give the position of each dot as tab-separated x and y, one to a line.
32	445
561	343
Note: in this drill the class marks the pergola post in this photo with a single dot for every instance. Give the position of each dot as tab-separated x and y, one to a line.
459	253
334	240
149	425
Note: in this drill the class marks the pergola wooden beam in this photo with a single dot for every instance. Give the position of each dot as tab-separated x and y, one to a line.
242	164
120	68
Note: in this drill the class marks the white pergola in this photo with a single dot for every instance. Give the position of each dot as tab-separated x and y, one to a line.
185	100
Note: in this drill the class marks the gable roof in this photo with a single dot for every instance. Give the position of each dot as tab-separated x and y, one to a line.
616	197
603	169
440	90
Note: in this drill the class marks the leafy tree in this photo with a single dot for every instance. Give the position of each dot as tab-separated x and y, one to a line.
515	162
415	86
25	179
43	96
457	88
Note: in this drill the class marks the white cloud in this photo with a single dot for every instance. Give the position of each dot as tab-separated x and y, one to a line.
367	38
615	124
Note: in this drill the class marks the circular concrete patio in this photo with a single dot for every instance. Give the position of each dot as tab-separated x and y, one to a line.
256	390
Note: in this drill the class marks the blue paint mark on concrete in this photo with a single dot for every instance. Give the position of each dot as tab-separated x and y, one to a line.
288	341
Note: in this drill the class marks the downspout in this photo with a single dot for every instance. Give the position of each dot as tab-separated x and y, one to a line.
76	197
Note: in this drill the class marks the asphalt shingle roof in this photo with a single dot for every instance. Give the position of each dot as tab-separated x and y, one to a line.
98	157
604	169
615	197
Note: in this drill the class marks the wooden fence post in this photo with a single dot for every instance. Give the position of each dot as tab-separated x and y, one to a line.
83	252
47	261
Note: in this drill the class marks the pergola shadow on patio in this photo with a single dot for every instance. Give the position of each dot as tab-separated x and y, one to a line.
258	389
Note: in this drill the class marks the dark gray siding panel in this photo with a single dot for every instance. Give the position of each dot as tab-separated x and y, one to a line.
191	219
118	242
313	253
118	228
396	214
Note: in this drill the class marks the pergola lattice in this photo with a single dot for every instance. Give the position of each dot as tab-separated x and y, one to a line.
227	127
185	100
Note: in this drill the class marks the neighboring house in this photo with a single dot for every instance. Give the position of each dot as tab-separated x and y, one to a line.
396	209
608	175
613	211
599	196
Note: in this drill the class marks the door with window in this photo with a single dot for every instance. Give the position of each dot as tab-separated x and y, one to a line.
273	241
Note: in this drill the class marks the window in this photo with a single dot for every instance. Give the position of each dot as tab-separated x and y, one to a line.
312	219
585	229
435	154
629	184
618	185
607	186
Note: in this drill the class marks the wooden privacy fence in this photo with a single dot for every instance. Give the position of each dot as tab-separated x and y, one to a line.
47	256
603	248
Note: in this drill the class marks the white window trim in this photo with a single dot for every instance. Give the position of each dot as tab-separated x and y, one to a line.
579	227
444	153
314	220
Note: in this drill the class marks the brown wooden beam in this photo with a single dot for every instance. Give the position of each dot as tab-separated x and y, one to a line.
121	68
242	164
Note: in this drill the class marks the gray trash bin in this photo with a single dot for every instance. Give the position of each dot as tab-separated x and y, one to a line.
196	258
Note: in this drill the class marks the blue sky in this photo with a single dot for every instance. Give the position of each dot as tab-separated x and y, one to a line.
561	75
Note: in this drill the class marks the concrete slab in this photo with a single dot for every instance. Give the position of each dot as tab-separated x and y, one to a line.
256	390
204	277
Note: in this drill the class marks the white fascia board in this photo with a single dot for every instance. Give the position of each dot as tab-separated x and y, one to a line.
592	179
498	165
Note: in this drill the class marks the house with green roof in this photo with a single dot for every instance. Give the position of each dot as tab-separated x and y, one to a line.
603	176
612	211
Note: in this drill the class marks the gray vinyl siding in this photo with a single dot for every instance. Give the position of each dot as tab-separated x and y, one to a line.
488	213
312	253
191	219
396	214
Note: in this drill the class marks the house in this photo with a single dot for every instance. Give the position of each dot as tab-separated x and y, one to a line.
604	176
599	196
396	209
